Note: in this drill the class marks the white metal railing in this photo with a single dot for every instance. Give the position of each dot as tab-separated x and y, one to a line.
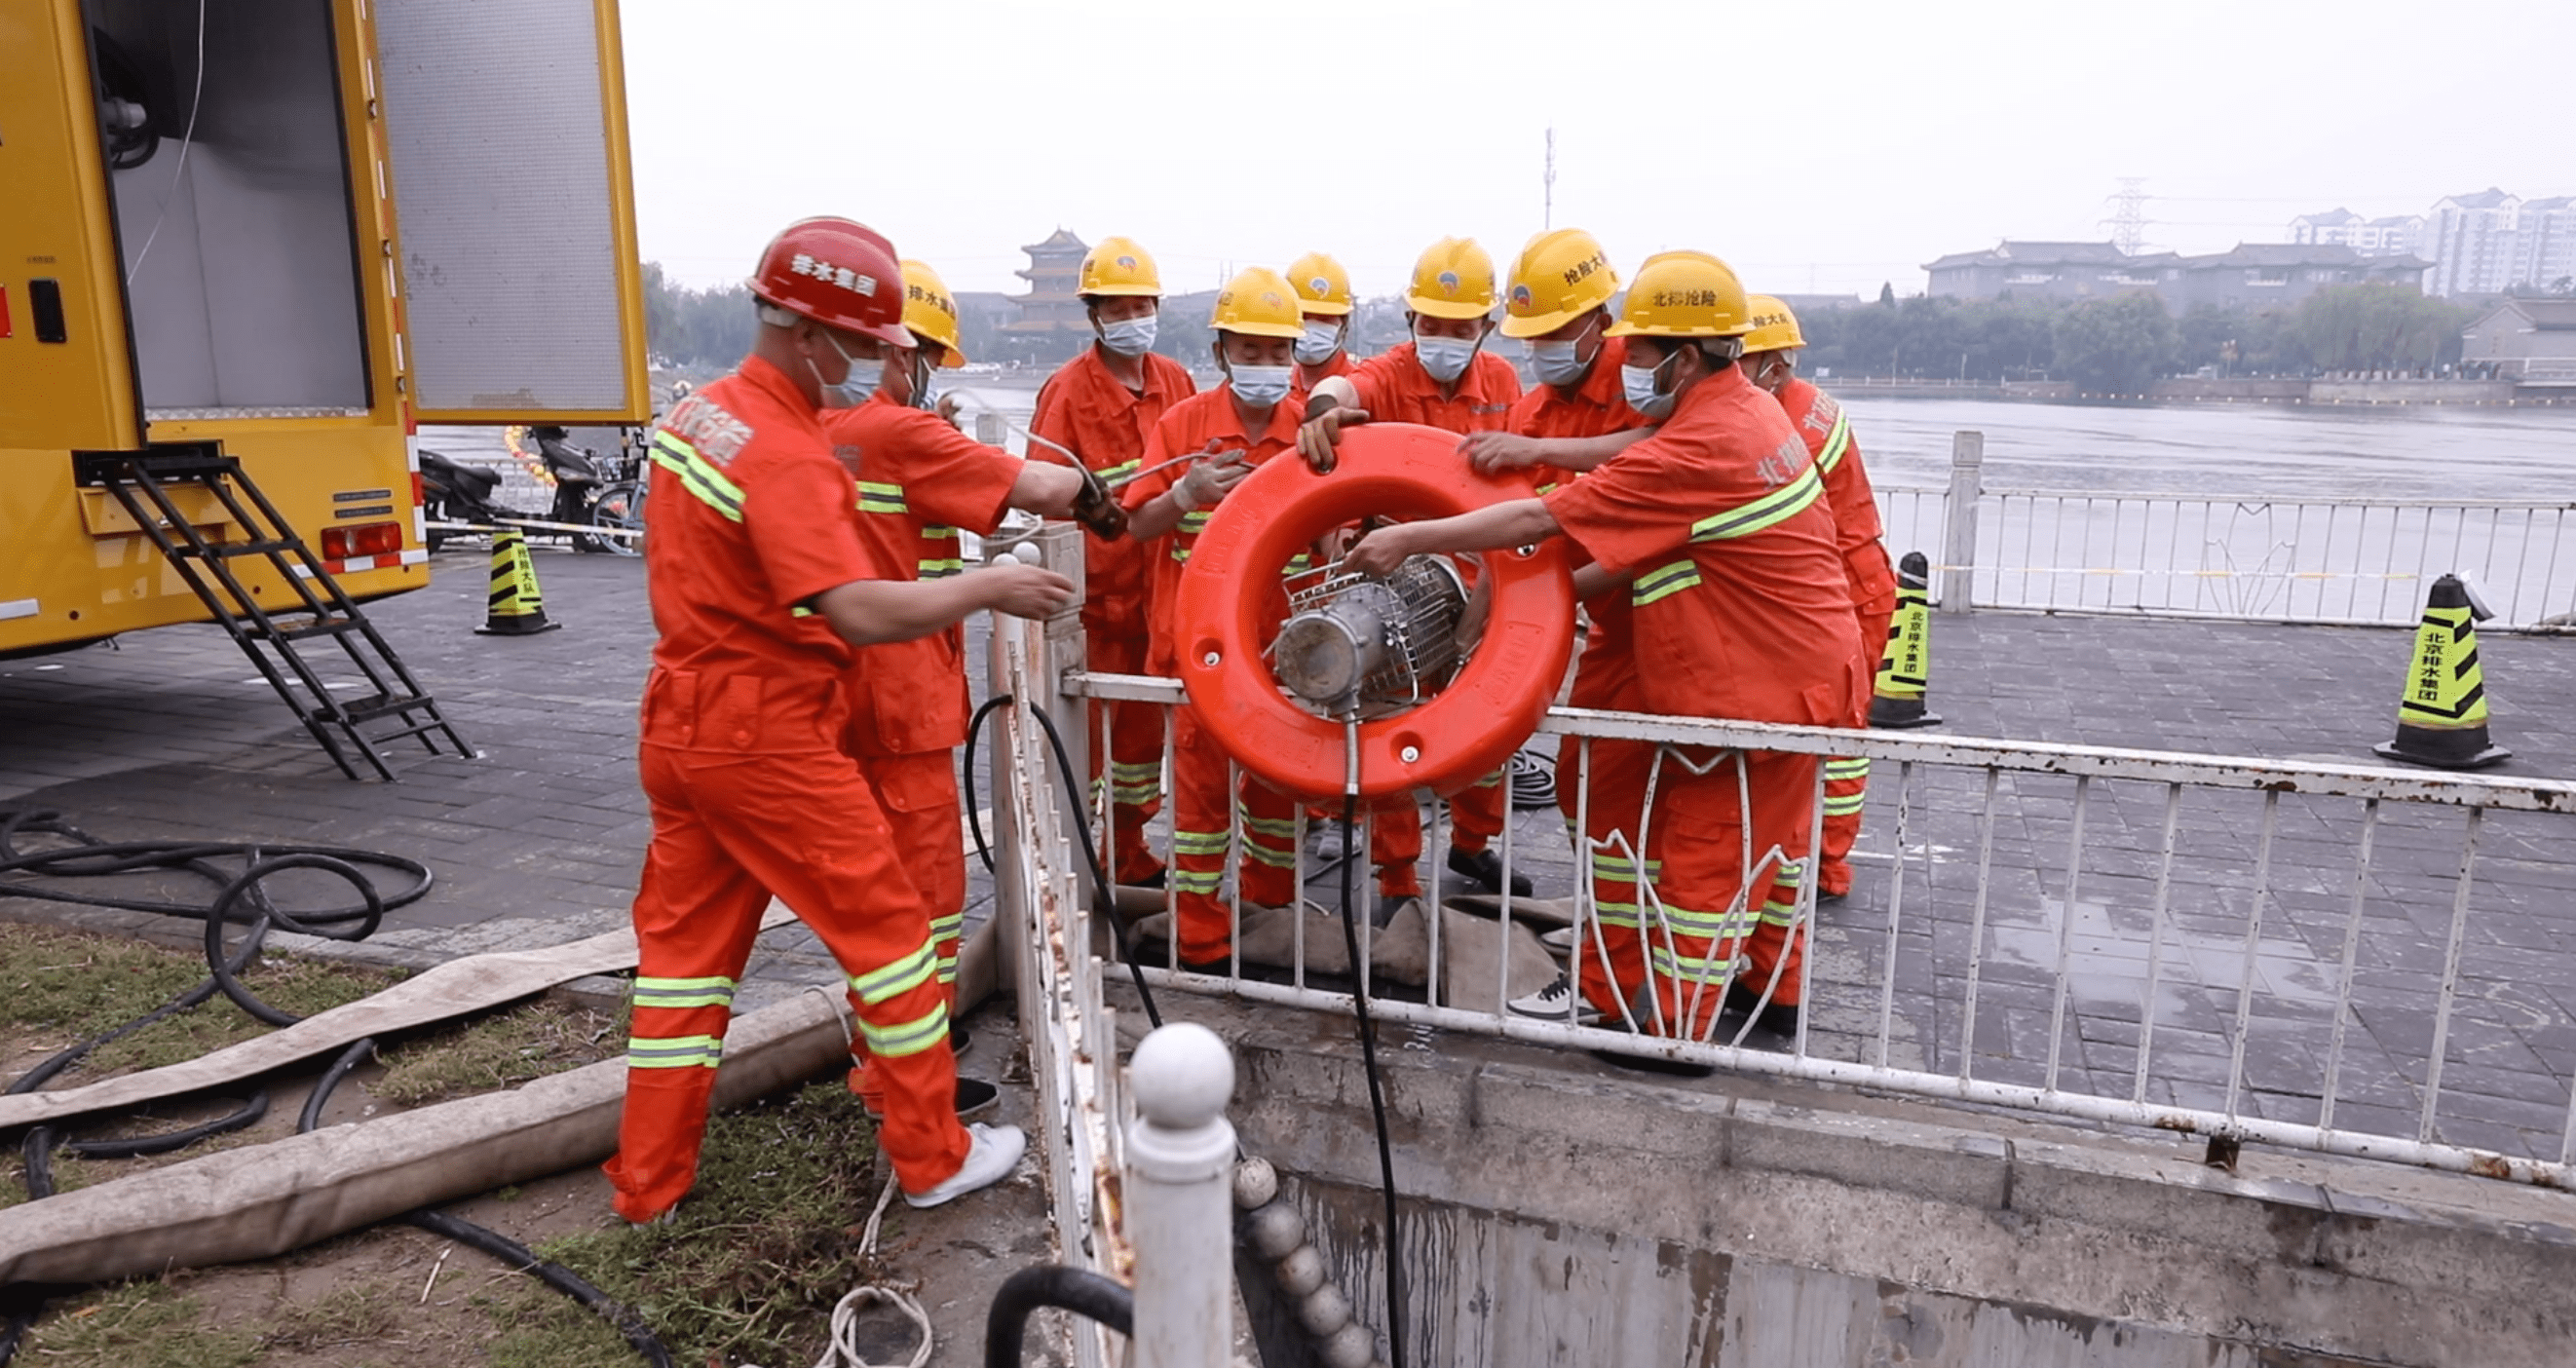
2322	957
2241	556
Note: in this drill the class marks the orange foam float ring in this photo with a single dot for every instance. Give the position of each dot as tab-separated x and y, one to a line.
1392	470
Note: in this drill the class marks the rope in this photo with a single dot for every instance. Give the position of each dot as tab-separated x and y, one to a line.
842	1350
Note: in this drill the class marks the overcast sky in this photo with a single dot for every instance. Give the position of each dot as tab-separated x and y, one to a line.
1815	146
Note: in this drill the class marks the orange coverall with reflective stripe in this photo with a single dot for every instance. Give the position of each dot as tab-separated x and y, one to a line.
1200	793
1826	429
1087	410
1741	611
751	793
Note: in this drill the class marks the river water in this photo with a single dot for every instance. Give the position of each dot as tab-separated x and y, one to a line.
2266	511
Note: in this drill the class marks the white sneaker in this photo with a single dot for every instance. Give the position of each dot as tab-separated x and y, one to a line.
1550	1004
1559	942
990	1159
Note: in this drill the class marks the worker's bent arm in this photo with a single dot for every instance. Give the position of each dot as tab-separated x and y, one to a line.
1584	453
1154	517
872	612
1520	522
1046	490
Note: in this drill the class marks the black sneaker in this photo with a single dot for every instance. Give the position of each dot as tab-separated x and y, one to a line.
958	1036
1485	869
1779	1018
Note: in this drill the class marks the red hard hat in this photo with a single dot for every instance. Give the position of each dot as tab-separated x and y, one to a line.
838	273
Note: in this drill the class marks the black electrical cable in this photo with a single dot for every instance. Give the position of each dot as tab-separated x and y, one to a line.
519	1257
1107	895
1078	1290
1377	1099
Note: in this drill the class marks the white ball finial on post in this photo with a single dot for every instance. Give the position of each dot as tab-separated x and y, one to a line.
1180	1207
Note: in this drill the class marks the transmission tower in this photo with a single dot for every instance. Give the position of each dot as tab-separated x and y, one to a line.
1547	211
2129	217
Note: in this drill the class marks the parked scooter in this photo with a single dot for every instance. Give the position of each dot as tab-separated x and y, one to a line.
589	492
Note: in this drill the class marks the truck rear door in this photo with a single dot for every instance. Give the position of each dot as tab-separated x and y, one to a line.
514	210
66	364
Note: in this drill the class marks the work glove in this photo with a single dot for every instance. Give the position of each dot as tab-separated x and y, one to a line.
1097	509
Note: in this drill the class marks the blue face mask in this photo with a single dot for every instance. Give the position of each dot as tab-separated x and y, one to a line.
1637	383
1322	339
1443	358
857	383
1557	364
1260	386
1130	337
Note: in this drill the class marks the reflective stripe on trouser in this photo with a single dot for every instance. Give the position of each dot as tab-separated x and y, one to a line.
1613	965
1135	759
1200	811
1847	790
1698	837
1476	813
728	831
918	793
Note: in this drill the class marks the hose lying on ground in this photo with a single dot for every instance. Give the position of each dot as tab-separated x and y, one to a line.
88	857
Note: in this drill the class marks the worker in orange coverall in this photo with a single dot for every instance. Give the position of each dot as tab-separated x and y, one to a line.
1097	410
1771	363
1740	610
1233	429
920	480
761	586
1443	378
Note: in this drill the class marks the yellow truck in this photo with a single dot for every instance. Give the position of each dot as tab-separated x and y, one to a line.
284	232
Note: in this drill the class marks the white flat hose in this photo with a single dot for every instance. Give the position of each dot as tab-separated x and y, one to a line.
457	988
261	1201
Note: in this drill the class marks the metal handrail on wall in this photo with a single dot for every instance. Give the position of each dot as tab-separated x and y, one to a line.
2224	947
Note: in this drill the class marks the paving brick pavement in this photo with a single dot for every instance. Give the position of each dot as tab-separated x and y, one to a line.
171	733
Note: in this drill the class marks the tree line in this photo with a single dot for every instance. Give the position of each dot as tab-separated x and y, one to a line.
2122	343
2115	345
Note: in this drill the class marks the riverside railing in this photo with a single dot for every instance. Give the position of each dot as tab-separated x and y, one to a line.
2240	556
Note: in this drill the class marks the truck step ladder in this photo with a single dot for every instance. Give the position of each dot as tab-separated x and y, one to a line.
142	483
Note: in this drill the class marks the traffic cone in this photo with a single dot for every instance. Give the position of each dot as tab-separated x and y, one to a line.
518	609
2442	713
1905	670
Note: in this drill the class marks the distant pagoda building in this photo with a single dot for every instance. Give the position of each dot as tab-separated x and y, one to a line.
1050	308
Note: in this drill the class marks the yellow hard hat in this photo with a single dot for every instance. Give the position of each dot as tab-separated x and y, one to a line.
1558	277
1258	302
1774	327
1684	294
1323	287
1119	267
1454	279
931	313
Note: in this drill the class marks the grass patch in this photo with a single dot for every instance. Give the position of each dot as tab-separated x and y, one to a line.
349	1315
749	1269
76	984
138	1325
529	1041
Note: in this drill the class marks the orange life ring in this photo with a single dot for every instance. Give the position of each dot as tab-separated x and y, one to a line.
1398	470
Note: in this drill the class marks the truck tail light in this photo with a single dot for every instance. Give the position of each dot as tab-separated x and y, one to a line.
364	539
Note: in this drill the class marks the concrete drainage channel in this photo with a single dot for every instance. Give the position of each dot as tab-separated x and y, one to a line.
1558	1212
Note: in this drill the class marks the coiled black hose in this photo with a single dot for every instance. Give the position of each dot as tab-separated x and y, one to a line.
239	892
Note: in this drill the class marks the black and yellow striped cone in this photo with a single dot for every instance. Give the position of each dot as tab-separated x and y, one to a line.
1905	669
2442	714
517	608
